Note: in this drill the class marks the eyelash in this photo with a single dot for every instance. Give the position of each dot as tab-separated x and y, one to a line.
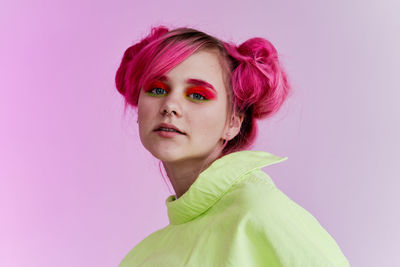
193	91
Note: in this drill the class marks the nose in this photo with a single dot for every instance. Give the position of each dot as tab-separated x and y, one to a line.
171	105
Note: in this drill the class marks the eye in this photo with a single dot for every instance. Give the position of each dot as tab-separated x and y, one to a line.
200	94
197	96
157	91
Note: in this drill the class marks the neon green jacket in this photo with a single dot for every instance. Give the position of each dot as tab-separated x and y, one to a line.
234	215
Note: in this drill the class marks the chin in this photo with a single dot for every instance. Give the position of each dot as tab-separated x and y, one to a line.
166	154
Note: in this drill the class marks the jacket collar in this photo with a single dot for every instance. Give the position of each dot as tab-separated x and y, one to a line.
214	181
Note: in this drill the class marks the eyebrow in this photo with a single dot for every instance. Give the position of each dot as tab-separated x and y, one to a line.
193	81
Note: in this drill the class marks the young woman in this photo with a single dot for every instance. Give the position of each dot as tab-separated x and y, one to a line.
198	100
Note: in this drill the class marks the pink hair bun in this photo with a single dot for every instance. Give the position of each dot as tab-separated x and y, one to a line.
122	80
259	81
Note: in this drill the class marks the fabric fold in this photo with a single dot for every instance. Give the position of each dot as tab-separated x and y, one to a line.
214	182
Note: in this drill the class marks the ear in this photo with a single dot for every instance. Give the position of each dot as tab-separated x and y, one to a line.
233	127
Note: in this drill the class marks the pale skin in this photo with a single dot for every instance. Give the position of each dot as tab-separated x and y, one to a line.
204	122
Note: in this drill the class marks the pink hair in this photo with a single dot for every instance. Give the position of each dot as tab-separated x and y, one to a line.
256	82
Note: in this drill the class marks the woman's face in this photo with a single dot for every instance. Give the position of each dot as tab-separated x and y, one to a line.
195	94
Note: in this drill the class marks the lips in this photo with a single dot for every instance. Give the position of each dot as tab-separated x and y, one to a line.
168	126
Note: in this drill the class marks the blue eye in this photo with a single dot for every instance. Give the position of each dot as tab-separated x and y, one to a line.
156	91
199	96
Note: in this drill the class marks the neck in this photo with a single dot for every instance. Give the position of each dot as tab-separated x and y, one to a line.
183	173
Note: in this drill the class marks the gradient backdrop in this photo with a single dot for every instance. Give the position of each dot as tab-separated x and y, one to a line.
78	189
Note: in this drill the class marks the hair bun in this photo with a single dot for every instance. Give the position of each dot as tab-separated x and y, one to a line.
259	81
122	75
257	50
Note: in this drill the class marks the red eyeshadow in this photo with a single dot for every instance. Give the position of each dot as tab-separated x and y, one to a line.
201	90
157	84
201	83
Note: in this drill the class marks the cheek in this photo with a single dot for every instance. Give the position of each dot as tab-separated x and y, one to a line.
146	104
209	124
144	111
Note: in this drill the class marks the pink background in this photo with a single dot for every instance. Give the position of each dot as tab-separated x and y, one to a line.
77	187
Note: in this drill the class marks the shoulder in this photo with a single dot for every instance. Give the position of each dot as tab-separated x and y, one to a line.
257	194
270	215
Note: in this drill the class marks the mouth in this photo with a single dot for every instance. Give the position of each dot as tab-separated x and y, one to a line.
168	128
165	129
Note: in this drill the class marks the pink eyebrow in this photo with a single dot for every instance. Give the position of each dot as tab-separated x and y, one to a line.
193	81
